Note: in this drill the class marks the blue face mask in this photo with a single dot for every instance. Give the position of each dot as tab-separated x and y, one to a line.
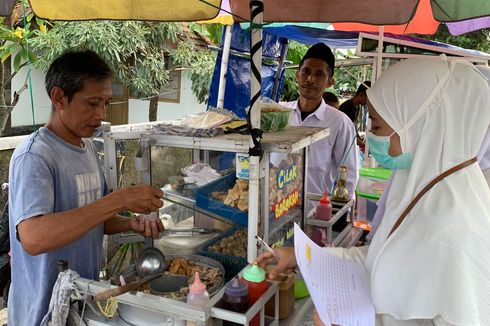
379	147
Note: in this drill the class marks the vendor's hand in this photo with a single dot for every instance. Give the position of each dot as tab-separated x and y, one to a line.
145	227
141	199
287	261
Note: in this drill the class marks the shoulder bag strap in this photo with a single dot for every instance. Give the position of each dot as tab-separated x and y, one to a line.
426	188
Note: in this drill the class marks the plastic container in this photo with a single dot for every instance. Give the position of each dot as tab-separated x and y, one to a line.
372	182
366	208
323	212
254	277
232	264
235	298
273	116
198	296
205	201
286	297
271	121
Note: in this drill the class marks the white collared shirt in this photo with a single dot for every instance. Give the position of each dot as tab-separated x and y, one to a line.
326	155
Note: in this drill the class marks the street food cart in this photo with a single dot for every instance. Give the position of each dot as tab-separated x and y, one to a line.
282	202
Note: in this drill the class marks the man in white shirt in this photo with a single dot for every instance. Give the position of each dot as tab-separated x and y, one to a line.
315	74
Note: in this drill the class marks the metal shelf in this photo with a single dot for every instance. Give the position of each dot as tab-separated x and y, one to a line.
158	307
289	140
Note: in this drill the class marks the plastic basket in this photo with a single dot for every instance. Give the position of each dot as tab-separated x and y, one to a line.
232	264
372	182
206	202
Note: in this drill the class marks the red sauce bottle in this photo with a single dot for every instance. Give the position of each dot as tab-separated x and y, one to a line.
254	277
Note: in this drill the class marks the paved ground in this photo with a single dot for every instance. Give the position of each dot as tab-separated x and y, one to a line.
3	313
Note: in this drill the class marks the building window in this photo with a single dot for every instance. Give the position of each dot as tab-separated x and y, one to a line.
171	91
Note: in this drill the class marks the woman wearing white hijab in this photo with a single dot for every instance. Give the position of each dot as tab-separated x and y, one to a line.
428	262
483	158
484	153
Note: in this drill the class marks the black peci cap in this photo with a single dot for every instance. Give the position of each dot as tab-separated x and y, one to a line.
322	52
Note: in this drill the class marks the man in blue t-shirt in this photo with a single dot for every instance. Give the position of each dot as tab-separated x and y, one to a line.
58	204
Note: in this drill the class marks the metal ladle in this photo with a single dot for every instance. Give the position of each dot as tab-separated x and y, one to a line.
151	261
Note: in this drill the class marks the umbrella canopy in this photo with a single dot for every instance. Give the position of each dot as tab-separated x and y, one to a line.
428	15
398	16
374	12
151	10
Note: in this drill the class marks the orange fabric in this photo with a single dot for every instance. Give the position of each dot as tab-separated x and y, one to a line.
422	23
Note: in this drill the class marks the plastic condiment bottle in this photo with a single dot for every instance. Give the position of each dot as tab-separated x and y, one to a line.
198	296
235	298
323	212
254	277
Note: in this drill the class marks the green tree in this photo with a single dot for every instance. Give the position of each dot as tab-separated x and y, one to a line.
197	60
477	40
344	82
134	50
14	46
198	64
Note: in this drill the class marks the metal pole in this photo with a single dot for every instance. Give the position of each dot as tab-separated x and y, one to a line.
256	8
379	59
225	55
277	77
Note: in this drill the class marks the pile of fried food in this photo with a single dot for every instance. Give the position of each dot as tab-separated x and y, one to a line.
234	245
236	196
182	266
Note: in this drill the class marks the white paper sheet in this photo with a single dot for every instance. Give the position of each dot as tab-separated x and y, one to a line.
338	287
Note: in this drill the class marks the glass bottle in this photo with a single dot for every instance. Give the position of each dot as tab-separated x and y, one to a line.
340	192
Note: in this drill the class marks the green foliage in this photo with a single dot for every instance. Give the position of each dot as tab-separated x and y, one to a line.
199	64
477	40
134	50
13	42
290	91
344	82
212	32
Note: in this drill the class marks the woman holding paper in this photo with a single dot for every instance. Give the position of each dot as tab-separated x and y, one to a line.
428	261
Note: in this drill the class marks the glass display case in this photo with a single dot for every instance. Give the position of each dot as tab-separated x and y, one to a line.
219	205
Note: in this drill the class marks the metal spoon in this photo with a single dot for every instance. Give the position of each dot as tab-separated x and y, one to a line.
150	261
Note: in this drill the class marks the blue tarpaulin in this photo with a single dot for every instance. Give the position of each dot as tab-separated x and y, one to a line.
308	35
237	91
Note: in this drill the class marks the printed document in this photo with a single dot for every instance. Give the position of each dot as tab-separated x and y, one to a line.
338	287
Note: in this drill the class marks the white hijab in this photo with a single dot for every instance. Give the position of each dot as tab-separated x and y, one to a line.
436	263
484	154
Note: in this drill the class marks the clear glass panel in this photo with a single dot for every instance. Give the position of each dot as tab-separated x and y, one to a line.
127	175
285	196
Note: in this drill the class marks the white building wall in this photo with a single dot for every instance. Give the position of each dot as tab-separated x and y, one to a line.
137	111
22	113
188	104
